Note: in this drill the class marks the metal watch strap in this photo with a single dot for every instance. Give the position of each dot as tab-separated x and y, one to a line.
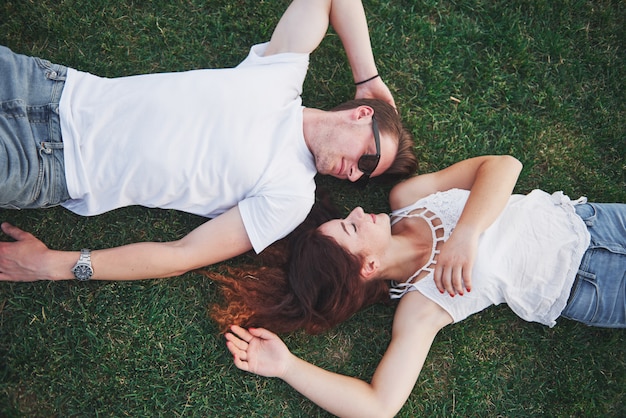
82	269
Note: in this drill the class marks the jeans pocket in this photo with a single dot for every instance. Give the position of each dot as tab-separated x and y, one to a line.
598	297
584	299
21	175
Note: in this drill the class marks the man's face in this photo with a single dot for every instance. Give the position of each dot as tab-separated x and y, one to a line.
339	156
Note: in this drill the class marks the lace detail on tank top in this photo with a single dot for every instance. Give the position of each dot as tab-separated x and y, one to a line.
445	207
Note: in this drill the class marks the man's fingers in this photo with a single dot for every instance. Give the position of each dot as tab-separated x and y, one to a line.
13	231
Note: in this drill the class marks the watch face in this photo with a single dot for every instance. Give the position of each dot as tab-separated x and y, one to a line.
83	272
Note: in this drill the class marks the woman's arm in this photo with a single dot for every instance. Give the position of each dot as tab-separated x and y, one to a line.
305	23
491	180
416	323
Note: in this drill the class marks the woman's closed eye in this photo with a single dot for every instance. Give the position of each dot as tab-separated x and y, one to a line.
345	229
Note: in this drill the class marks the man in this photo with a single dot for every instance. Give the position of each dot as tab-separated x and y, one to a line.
234	145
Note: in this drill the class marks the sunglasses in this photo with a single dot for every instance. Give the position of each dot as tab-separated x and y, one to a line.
368	162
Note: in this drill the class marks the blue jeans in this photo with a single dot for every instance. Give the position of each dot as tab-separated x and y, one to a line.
32	169
598	296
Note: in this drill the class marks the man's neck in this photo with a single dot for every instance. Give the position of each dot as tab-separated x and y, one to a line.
313	126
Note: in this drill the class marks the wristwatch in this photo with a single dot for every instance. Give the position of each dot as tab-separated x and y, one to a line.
82	269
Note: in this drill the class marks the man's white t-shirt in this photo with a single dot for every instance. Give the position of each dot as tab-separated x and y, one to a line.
201	141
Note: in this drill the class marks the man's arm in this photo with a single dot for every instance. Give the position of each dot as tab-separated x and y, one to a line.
304	25
28	259
301	28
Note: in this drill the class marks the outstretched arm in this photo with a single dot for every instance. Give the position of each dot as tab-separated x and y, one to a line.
304	25
491	180
28	259
416	323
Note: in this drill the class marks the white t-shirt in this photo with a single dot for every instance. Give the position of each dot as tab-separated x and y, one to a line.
199	141
528	258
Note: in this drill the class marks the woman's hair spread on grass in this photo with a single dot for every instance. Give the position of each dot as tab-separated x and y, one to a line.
304	281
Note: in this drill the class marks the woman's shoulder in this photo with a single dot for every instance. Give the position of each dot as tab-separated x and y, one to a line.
416	309
408	191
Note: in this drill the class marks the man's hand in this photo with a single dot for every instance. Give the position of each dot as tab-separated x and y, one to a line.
19	259
258	351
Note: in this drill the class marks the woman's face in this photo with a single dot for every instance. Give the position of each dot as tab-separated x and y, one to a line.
360	233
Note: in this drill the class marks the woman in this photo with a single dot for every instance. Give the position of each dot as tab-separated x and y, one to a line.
457	232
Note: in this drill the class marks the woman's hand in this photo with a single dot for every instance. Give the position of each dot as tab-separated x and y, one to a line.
490	180
453	271
258	351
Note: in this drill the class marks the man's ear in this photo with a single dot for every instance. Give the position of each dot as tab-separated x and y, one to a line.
363	112
370	268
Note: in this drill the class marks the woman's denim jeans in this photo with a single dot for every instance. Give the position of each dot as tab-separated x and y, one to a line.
598	297
32	170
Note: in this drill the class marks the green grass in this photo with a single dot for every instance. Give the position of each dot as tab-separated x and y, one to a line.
542	80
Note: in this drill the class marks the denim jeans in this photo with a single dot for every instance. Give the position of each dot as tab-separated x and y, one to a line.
32	169
598	296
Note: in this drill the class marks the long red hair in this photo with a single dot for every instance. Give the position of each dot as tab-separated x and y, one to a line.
305	281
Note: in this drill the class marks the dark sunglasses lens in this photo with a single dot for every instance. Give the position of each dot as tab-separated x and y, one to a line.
368	163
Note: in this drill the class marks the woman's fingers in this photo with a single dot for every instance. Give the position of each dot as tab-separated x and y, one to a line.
451	279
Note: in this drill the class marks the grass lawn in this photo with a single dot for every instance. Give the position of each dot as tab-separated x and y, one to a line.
541	80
